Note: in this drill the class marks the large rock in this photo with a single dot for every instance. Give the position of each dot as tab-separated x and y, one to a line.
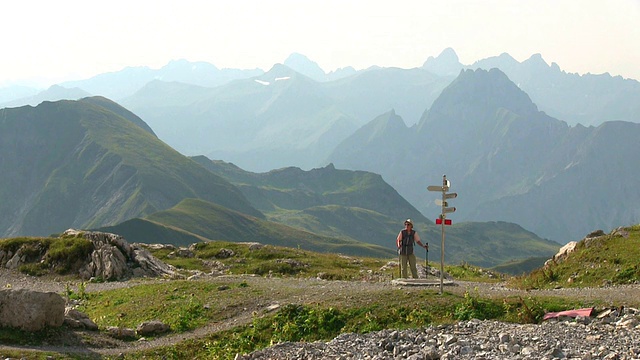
153	327
113	258
78	320
30	310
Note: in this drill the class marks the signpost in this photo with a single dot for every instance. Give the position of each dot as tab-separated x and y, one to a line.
442	219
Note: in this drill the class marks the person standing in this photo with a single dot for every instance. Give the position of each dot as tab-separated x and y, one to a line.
405	242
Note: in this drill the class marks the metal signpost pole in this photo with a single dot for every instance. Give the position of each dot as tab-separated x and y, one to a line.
442	219
426	261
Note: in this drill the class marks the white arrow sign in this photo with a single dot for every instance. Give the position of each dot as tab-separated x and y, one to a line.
451	196
449	210
437	188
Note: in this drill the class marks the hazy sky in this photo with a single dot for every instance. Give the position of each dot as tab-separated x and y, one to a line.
52	41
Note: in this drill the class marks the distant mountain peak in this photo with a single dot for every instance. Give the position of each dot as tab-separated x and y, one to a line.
536	61
446	64
537	57
303	65
504	61
448	54
506	56
484	92
278	72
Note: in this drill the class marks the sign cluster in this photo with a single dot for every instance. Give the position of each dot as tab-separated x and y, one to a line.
442	219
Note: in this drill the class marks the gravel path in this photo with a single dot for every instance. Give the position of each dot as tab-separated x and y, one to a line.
297	291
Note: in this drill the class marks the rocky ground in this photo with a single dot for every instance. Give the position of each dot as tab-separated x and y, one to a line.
475	339
616	336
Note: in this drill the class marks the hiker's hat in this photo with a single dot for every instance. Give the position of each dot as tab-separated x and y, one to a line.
408	221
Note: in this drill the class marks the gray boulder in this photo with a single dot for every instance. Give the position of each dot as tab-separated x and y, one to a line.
30	310
78	320
153	327
113	258
121	333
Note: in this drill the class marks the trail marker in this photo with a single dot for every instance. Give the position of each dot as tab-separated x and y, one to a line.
442	219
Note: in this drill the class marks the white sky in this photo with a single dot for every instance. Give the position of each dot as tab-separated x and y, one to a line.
43	42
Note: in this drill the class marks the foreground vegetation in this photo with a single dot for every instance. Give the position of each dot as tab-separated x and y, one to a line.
304	308
607	259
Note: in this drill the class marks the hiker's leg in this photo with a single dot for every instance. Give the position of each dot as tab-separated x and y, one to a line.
412	263
403	265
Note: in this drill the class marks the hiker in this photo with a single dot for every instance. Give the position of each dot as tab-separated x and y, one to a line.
405	241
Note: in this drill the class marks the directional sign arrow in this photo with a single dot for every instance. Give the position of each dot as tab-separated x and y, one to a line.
449	210
451	196
439	202
437	188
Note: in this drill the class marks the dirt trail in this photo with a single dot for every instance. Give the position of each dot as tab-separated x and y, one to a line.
279	291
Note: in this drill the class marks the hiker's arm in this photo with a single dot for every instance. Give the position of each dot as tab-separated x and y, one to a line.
399	239
417	238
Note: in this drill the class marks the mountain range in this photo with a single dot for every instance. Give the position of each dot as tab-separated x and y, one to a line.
537	163
507	159
92	164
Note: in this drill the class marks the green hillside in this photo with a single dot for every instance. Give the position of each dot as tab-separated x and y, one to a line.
149	232
361	206
596	261
78	164
519	267
207	221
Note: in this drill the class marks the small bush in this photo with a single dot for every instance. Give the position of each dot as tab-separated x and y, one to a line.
297	322
473	307
12	245
64	253
524	312
627	275
34	269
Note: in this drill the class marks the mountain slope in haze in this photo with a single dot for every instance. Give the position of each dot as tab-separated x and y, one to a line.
371	92
15	92
588	99
78	164
270	121
205	221
307	67
53	93
118	110
120	84
361	206
281	118
511	162
337	203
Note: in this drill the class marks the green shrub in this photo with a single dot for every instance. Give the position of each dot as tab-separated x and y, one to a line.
64	253
474	307
34	269
297	322
524	312
12	245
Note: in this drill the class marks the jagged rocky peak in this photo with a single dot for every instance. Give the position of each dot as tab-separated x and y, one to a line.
445	64
489	88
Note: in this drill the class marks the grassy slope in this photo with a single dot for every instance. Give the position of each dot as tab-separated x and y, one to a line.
608	259
218	223
360	205
80	164
187	305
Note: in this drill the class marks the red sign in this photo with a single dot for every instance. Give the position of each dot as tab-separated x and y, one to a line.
446	221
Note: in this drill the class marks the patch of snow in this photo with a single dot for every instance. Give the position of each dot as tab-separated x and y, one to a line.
283	78
261	82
